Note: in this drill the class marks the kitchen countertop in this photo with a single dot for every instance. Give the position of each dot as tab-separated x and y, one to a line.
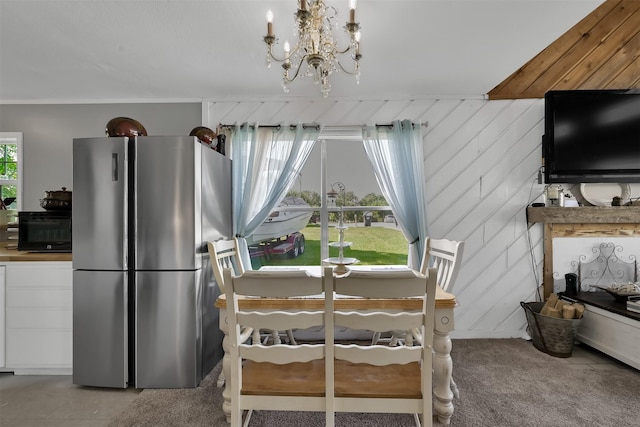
15	255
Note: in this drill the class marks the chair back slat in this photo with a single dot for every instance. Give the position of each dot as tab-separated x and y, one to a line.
358	283
278	284
377	355
281	320
379	322
281	354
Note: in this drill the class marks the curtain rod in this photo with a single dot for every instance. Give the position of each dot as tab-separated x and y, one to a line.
304	126
326	128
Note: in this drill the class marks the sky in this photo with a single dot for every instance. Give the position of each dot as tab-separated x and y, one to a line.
347	163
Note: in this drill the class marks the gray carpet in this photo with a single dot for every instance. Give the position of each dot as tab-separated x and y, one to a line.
502	382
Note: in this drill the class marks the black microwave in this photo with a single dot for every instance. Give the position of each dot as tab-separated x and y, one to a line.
48	231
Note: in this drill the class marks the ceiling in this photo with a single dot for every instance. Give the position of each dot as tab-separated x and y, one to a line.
175	50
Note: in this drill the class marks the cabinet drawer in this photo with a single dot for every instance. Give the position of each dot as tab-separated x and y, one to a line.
35	349
39	319
43	298
39	274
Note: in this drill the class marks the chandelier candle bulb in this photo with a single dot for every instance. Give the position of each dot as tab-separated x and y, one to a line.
352	11
303	4
269	23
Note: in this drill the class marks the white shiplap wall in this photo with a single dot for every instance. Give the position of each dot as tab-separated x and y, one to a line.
481	163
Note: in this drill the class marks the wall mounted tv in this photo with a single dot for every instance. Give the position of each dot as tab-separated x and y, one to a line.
592	136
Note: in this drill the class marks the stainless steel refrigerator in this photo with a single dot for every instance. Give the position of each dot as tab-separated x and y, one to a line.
143	289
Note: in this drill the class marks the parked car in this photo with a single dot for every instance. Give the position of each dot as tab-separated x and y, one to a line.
389	218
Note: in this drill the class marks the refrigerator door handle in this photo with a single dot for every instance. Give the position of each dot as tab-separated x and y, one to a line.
114	166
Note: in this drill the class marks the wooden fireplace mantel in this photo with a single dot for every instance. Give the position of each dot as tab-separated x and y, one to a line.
585	221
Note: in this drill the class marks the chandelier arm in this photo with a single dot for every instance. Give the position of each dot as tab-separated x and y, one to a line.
295	76
272	56
284	58
344	70
295	49
342	52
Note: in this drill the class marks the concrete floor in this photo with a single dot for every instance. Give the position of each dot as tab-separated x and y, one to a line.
53	401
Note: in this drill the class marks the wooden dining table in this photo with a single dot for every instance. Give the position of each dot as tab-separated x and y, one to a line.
444	324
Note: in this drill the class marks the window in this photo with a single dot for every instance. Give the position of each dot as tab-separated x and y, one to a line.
11	169
336	180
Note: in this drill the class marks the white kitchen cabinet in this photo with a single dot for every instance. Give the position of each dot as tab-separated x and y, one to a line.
2	315
38	317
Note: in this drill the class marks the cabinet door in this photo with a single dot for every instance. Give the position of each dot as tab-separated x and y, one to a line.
2	314
38	316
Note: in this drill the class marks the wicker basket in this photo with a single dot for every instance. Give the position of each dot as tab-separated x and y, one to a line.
549	334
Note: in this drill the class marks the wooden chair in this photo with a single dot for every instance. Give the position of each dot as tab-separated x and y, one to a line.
275	377
225	252
331	376
445	256
380	378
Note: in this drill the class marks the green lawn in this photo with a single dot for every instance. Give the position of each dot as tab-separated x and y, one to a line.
370	245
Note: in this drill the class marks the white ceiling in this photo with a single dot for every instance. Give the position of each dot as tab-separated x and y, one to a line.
173	50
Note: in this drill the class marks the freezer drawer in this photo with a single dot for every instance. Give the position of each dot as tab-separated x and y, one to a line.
168	329
100	348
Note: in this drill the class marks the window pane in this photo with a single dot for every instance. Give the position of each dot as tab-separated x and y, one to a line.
10	157
367	236
372	241
8	161
9	191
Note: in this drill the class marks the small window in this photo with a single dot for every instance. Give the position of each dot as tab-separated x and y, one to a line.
11	169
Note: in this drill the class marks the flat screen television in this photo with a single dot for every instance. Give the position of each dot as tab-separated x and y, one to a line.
592	136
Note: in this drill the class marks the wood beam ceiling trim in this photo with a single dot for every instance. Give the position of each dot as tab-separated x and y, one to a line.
611	35
619	62
600	52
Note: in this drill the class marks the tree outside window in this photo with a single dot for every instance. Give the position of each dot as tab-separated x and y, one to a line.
10	155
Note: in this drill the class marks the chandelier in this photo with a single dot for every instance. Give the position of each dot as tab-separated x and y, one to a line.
316	54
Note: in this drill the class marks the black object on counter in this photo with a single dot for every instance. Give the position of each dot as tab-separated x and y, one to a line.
571	280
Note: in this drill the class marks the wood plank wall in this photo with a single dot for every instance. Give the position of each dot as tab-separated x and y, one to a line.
481	164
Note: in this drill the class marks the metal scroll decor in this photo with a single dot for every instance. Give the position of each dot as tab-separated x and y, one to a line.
606	268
